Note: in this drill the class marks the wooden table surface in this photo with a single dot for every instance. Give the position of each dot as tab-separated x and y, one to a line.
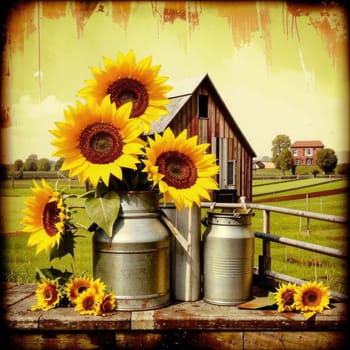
196	324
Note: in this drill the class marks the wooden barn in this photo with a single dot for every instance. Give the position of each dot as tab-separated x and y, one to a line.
196	105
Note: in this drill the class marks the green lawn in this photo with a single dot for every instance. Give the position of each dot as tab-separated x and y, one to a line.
299	186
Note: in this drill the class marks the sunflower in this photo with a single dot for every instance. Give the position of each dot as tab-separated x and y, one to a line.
181	168
45	217
107	304
76	286
87	303
312	297
125	80
99	286
285	297
98	140
47	294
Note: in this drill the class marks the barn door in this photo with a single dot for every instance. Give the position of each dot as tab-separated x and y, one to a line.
227	166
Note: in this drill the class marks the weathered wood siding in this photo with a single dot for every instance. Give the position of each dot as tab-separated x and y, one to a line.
218	131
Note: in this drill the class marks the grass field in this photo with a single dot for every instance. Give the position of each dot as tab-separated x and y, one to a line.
298	186
21	261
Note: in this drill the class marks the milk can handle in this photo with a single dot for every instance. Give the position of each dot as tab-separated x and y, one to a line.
205	221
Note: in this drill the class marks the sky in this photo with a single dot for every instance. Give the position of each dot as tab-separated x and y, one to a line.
280	67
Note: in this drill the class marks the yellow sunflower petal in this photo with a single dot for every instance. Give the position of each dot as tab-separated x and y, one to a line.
125	79
103	139
312	297
182	168
44	217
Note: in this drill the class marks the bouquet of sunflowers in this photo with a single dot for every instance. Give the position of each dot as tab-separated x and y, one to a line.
105	143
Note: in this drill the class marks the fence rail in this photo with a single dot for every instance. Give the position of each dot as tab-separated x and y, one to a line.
264	271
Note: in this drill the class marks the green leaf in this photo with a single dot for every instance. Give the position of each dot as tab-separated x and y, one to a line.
52	273
65	247
259	302
101	189
104	210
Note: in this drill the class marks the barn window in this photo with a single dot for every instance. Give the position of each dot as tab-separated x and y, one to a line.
231	173
202	106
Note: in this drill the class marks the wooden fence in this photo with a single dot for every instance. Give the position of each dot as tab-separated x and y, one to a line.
264	272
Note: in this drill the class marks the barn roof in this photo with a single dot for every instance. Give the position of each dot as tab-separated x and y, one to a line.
312	144
182	92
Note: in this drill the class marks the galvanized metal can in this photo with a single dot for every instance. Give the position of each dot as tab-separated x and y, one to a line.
185	261
228	257
135	262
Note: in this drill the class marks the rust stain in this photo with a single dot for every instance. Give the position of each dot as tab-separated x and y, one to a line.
242	17
82	11
170	11
53	9
328	19
174	10
245	19
121	13
21	22
5	117
265	21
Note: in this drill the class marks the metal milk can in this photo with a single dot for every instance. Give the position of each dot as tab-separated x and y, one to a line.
135	262
228	257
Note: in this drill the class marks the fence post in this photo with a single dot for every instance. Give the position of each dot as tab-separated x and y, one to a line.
265	258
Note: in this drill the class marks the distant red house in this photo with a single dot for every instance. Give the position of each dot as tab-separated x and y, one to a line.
304	152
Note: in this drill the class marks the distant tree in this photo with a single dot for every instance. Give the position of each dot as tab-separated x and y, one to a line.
33	156
326	159
279	143
30	165
343	168
265	159
285	160
18	164
58	164
44	164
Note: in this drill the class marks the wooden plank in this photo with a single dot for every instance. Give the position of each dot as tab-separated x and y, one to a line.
50	340
201	315
180	339
12	293
294	340
19	316
64	319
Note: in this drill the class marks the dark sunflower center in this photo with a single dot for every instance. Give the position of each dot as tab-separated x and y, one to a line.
106	306
288	297
101	143
310	298
81	289
126	89
51	218
50	295
179	170
88	303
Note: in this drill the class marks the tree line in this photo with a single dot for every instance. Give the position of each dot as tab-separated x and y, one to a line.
34	163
